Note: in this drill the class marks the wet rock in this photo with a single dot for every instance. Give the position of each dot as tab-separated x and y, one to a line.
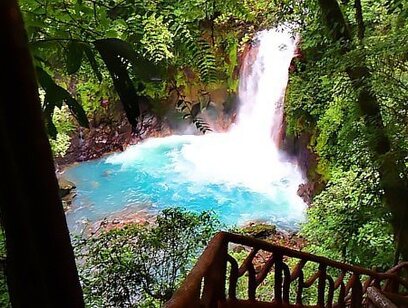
308	190
67	192
297	148
107	136
67	200
305	191
65	187
122	219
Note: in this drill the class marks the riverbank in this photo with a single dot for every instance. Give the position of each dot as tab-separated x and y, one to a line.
263	231
108	137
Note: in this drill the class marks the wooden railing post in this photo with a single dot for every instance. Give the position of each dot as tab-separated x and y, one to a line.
251	282
356	292
300	288
214	280
321	284
233	279
278	277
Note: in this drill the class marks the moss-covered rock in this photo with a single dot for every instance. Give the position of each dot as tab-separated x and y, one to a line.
259	230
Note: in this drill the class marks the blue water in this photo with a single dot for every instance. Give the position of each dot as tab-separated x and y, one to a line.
157	174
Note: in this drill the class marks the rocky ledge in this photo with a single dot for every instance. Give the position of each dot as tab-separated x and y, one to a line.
270	233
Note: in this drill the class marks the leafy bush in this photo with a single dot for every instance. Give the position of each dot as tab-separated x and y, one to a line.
64	125
4	296
348	222
142	264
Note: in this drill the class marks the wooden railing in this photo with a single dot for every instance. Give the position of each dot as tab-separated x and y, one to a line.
336	284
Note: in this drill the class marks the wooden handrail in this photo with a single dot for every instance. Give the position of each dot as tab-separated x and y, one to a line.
253	242
188	295
205	284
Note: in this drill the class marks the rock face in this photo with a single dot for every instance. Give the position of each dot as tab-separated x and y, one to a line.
297	148
308	190
67	192
65	187
106	137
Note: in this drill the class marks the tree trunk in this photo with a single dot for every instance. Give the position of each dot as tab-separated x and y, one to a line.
395	189
40	264
359	19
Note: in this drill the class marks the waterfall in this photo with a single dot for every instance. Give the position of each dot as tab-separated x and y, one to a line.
241	174
262	85
248	154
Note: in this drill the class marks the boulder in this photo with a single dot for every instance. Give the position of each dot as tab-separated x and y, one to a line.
66	192
65	187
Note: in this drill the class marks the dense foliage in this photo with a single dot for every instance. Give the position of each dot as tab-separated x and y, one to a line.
142	264
356	225
146	47
64	125
347	220
4	297
348	93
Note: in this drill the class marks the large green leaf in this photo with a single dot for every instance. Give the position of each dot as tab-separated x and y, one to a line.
55	96
77	110
44	79
144	69
74	54
92	61
48	113
114	53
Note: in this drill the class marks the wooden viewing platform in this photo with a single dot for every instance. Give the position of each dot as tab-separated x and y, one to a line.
213	280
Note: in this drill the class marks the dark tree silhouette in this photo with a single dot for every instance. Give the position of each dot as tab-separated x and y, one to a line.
40	265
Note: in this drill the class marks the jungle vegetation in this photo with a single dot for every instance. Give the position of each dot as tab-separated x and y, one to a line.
347	95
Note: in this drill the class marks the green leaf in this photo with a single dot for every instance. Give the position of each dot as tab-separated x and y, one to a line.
195	110
111	33
44	79
92	61
54	94
48	112
77	111
54	97
144	69
74	55
113	51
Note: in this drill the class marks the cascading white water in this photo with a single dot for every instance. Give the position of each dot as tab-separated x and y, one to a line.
241	174
248	154
262	85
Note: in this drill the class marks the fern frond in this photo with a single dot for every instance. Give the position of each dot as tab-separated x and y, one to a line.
197	50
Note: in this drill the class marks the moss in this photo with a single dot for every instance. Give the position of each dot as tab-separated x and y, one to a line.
259	230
